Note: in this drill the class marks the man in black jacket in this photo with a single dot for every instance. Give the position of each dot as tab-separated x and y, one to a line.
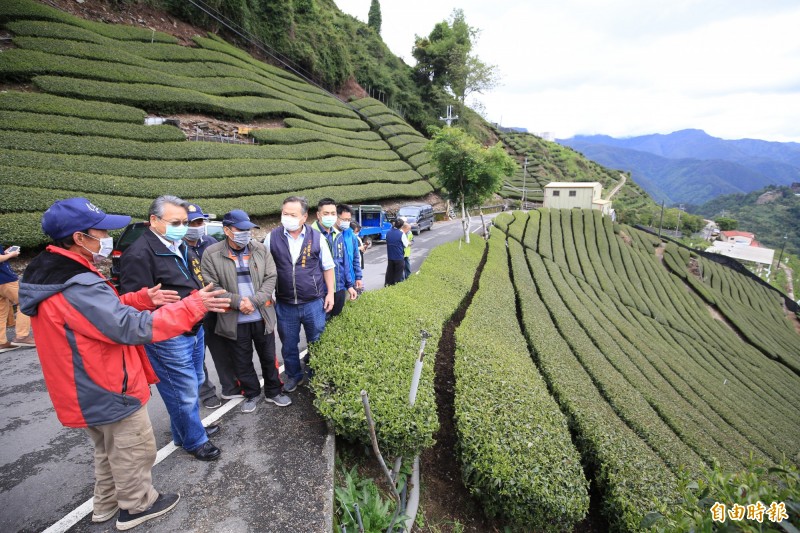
161	256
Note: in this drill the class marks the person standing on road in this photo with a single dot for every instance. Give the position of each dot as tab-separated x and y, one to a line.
326	225
198	241
245	269
9	297
88	341
160	256
351	245
305	286
395	250
356	227
406	229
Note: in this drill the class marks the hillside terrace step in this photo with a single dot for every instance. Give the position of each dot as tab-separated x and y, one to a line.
275	475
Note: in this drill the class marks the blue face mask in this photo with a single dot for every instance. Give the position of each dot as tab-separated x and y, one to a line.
175	233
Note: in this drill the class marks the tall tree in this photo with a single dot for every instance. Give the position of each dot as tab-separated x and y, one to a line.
374	16
469	173
444	59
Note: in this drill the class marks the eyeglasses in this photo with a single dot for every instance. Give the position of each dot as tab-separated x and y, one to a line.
174	223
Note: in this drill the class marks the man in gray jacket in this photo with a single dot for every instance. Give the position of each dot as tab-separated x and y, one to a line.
246	271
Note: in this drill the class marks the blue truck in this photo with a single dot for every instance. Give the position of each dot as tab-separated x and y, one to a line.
375	223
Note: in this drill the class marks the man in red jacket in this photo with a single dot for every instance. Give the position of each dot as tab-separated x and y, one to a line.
89	343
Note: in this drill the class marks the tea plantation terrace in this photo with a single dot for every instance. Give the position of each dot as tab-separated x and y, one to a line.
80	130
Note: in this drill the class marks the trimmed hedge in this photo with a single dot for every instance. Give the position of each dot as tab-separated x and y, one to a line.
298	136
422	158
345	360
199	188
181	151
516	449
23	64
48	104
343	134
35	122
158	98
28	9
24	228
213	168
411	149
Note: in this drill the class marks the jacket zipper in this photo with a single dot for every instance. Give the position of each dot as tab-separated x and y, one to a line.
124	380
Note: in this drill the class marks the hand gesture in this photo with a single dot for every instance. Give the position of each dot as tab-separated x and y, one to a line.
212	301
328	305
246	306
161	297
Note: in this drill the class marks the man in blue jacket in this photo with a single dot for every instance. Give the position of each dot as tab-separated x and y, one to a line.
396	243
351	245
343	279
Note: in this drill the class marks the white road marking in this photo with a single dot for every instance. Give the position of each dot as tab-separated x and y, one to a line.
77	514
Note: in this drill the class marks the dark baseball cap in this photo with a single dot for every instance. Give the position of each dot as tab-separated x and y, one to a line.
195	212
65	217
238	219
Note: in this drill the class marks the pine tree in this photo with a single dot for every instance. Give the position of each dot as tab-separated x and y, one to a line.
374	17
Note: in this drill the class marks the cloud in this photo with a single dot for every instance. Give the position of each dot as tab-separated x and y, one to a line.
624	67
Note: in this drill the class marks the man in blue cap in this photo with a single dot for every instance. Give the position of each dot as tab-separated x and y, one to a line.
89	339
245	269
160	256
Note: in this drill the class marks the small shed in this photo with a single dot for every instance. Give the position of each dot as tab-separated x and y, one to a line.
578	194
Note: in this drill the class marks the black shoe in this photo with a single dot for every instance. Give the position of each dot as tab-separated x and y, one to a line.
164	504
212	430
212	403
206	452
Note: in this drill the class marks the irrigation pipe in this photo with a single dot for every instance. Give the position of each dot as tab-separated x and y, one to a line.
374	438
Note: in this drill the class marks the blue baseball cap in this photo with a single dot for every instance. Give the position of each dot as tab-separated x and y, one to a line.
238	219
65	217
195	212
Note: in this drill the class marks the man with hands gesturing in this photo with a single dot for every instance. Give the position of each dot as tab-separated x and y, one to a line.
89	341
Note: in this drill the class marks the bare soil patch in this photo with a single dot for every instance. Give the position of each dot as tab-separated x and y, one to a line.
351	89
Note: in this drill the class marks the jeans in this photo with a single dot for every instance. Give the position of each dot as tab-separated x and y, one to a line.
290	317
178	363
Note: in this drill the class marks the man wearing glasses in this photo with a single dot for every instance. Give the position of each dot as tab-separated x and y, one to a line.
161	256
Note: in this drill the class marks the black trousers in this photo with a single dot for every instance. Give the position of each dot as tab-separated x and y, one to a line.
394	271
222	355
339	298
249	335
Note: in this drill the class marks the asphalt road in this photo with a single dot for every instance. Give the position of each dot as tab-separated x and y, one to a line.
46	470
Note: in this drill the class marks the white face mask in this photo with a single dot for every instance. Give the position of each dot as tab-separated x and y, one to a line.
194	233
328	220
290	223
106	246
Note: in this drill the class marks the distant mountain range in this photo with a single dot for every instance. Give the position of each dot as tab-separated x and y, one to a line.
690	166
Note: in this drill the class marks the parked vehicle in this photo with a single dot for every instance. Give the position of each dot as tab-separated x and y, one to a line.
374	222
135	230
420	216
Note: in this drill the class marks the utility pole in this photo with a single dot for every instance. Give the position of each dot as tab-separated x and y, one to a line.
678	227
524	173
661	222
449	118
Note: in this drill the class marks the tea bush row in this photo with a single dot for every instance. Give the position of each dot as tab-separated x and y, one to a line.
516	449
48	104
198	188
346	360
35	122
299	136
198	169
181	151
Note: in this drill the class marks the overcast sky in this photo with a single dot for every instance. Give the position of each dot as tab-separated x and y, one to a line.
626	67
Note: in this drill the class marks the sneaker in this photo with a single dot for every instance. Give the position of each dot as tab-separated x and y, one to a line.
249	405
211	403
105	516
290	385
281	400
7	346
164	504
231	396
27	340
